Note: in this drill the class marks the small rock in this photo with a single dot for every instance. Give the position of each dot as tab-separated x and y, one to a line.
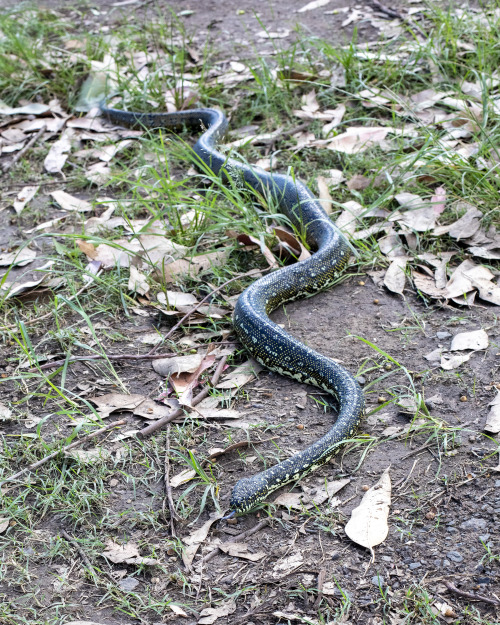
497	483
377	580
455	556
474	524
483	580
443	335
361	379
446	563
128	584
415	565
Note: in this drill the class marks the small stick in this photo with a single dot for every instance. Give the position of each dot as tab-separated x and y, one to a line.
241	536
469	595
59	363
44	460
321	581
168	487
22	152
179	412
195	308
82	553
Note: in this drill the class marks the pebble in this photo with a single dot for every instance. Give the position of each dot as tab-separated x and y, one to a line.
415	565
443	335
474	524
361	379
446	563
455	556
377	580
497	483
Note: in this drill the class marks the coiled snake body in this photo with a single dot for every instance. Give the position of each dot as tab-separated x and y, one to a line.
265	340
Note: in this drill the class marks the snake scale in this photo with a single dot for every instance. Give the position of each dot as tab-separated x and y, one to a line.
266	341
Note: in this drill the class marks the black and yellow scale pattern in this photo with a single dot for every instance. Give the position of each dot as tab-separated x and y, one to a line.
265	340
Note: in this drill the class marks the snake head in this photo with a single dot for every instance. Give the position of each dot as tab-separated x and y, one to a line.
245	496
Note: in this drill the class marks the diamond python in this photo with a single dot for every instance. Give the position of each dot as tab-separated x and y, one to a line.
265	340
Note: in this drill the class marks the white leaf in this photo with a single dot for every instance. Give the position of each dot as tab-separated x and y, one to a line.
316	4
493	419
395	276
453	361
478	339
70	203
23	197
368	523
210	615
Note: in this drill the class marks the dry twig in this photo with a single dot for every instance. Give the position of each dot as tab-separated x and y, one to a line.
168	487
469	595
22	152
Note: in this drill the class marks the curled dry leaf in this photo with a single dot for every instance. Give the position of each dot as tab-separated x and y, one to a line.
178	364
137	282
58	153
111	402
368	523
292	243
310	496
348	218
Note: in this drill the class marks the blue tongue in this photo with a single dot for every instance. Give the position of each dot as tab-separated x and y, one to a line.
229	516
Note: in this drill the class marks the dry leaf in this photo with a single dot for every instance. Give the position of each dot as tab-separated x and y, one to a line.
70	203
240	550
395	276
347	220
492	424
128	553
106	404
368	523
194	540
4	524
178	364
58	153
182	478
453	361
313	5
5	412
210	615
19	257
358	139
176	609
324	194
310	497
137	282
23	197
240	375
478	339
420	215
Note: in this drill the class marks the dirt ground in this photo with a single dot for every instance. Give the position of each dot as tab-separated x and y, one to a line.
445	512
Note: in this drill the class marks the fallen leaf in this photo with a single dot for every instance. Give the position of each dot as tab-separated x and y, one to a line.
176	299
210	615
194	540
311	497
178	364
70	203
358	139
316	4
281	33
88	456
368	523
240	550
23	197
58	153
128	553
4	524
289	564
420	214
395	276
466	226
111	402
453	361
19	257
182	478
5	412
478	339
240	375
492	424
176	609
137	282
33	108
348	218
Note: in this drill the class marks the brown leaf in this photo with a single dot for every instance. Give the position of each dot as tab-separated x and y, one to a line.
358	139
395	276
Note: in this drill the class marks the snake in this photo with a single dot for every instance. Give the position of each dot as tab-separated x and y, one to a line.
266	341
